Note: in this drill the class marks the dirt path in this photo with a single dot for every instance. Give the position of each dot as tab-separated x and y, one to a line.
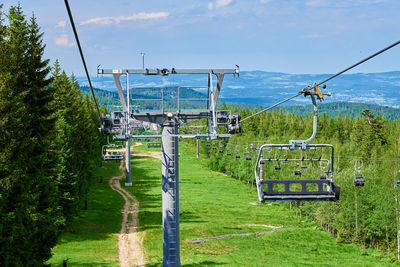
274	229
129	241
152	154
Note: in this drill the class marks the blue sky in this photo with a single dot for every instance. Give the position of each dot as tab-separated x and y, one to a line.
292	36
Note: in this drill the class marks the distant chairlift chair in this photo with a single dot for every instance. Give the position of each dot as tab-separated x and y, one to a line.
358	176
110	154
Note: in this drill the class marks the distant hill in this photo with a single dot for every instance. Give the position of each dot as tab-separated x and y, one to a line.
150	99
332	109
108	98
265	88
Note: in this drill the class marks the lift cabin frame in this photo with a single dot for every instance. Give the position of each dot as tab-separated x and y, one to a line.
327	190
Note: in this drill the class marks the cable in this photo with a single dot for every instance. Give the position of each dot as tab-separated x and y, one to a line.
81	53
309	88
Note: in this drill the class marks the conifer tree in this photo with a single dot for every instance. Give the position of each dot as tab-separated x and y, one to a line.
29	220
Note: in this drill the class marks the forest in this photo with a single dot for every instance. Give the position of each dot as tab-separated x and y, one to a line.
49	144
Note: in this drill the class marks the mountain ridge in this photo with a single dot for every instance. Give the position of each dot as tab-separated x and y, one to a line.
266	88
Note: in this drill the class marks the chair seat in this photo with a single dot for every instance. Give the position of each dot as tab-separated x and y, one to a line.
325	189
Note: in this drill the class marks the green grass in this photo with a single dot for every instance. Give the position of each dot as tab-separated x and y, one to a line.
214	204
92	238
211	204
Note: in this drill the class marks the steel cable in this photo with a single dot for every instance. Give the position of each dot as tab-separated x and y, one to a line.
82	57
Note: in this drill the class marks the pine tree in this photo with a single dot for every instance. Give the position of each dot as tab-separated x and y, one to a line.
29	221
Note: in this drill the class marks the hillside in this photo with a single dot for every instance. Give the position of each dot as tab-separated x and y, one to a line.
150	99
332	109
211	204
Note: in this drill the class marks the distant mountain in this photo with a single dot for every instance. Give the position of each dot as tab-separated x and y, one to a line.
150	99
264	88
332	109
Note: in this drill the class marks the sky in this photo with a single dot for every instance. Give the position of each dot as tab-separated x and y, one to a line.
291	36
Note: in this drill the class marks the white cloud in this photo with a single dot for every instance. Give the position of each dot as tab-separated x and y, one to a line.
136	16
221	3
61	24
62	40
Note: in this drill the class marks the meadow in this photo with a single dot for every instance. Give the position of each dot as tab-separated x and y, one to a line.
211	204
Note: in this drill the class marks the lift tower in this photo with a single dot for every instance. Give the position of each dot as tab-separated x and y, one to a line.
170	120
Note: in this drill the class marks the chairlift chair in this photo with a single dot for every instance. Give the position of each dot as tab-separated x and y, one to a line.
358	177
237	153
228	151
296	189
111	155
358	181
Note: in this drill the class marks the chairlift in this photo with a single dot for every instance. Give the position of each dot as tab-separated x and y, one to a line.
358	176
228	152
313	189
237	153
108	154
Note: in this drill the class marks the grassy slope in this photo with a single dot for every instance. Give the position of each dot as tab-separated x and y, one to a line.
212	204
92	239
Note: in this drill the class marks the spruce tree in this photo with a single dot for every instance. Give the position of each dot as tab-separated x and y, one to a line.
30	217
